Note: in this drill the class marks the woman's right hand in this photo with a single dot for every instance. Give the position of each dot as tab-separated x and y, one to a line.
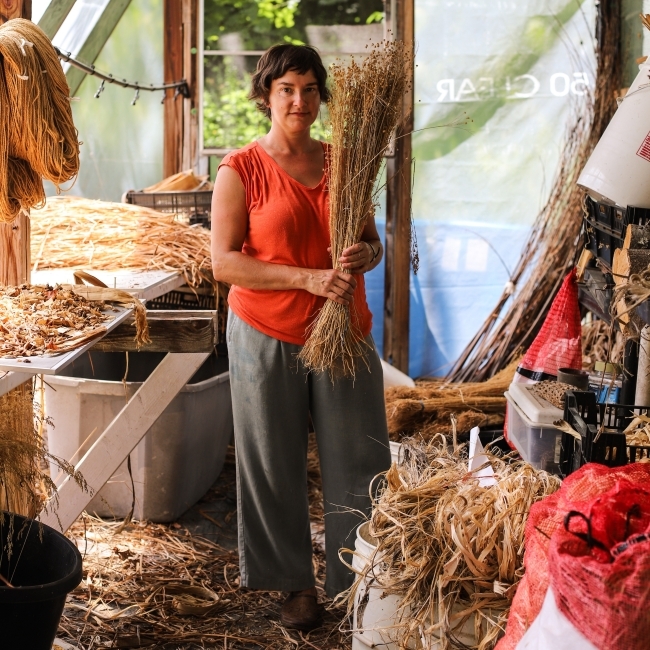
331	283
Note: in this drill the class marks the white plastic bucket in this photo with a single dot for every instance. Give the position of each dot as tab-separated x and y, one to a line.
374	613
618	171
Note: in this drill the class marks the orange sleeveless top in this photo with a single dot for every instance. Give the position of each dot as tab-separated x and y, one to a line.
288	223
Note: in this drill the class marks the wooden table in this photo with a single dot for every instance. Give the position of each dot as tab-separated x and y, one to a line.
189	338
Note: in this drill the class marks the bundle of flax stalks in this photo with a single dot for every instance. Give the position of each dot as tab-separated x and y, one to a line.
364	110
80	233
451	549
427	409
37	135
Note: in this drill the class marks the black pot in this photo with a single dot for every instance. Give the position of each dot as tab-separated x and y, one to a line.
45	566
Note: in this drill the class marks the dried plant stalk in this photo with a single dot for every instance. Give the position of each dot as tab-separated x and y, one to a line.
364	110
450	548
24	485
38	138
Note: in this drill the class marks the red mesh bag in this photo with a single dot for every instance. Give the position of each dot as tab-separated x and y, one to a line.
606	497
558	344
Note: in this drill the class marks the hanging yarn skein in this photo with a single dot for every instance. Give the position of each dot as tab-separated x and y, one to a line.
38	139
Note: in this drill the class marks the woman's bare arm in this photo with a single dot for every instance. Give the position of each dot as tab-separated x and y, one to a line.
229	264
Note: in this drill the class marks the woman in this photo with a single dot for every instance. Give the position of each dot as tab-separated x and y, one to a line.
270	241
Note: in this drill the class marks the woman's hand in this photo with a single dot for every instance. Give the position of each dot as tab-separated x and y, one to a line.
331	283
358	258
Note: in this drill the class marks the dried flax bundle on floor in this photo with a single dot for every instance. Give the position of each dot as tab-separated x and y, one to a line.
450	548
364	110
79	233
427	408
37	135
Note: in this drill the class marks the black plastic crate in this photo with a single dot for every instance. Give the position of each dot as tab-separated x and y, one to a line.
601	242
613	219
194	202
585	416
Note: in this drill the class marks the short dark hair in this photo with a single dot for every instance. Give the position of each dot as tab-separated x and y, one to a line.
276	62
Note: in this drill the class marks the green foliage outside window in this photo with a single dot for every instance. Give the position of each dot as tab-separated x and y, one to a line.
230	120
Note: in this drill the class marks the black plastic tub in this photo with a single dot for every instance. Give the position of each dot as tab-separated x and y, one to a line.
44	568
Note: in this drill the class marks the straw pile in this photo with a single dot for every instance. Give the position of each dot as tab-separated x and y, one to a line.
37	136
428	408
364	110
39	320
449	547
80	233
601	342
184	181
626	298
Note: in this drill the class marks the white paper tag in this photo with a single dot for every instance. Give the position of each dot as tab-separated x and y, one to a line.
477	458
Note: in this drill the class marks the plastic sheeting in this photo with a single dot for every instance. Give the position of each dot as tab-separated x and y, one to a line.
515	68
122	144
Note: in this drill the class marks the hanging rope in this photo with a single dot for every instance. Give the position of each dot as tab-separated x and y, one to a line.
181	87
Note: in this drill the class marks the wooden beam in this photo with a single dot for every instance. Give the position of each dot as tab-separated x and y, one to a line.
15	9
181	122
14	251
190	74
169	331
52	19
122	435
401	23
96	40
173	71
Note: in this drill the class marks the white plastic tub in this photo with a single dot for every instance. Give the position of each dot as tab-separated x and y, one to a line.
180	456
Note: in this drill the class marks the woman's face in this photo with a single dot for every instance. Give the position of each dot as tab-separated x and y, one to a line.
294	100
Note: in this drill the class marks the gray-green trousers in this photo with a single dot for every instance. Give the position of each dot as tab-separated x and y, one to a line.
272	397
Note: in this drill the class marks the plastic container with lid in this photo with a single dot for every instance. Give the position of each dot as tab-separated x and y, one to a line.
530	427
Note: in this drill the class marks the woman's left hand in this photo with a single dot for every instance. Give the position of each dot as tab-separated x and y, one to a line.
357	258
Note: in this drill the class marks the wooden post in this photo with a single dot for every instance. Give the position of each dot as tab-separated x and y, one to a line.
15	269
180	61
15	9
14	237
401	23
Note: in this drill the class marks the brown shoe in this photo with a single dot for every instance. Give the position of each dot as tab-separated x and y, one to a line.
301	611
